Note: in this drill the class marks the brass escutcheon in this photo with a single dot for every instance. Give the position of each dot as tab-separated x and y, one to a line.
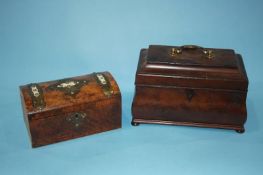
76	119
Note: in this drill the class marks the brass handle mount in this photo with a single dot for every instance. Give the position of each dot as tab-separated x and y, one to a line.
207	52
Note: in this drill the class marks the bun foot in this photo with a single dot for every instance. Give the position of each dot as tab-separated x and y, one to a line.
134	124
240	131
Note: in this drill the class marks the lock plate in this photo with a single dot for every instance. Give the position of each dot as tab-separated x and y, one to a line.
77	119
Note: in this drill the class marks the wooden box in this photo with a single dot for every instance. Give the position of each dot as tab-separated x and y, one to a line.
69	108
190	85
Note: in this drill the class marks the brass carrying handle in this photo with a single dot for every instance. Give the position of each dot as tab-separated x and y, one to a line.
208	53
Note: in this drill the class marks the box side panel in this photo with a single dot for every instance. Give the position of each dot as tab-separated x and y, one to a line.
77	121
174	81
185	76
242	69
25	113
190	105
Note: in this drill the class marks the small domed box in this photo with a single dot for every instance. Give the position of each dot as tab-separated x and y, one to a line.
64	109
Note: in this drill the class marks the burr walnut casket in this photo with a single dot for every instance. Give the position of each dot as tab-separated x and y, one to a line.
69	108
192	86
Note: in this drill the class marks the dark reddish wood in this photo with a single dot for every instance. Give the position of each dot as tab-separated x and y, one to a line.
194	92
50	125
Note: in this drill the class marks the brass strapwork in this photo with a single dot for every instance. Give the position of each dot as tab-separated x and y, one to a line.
103	81
36	94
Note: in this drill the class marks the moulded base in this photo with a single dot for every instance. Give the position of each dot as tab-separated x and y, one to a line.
238	129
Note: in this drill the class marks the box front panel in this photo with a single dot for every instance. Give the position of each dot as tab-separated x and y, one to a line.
190	105
82	120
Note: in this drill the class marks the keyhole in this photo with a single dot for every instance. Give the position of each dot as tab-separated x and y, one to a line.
189	94
77	116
